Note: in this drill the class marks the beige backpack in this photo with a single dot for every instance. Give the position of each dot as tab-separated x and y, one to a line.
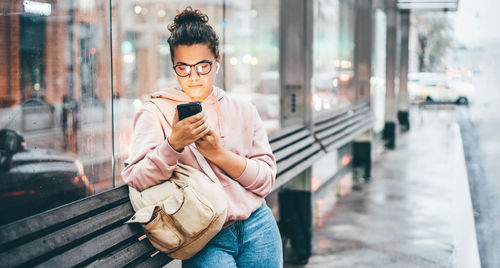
182	214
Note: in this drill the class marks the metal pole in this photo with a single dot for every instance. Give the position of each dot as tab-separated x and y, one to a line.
295	62
113	159
389	133
361	146
71	50
403	114
295	202
363	50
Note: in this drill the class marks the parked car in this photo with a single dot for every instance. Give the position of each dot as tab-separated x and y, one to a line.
36	115
437	88
35	180
417	82
460	93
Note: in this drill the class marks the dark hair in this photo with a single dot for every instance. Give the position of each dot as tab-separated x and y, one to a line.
191	27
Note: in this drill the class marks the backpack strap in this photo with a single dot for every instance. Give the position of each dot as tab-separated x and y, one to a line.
168	113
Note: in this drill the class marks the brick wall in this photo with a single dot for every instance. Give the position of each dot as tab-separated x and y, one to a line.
10	93
61	50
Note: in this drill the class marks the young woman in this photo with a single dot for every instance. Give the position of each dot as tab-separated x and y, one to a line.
231	136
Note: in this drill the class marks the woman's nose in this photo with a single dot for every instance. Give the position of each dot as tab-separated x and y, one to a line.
193	75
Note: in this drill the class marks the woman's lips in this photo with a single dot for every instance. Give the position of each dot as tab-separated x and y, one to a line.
195	85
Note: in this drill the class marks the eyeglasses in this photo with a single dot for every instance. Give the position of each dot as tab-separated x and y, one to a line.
201	68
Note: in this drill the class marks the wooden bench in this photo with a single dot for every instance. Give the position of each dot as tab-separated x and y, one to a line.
335	131
295	150
91	232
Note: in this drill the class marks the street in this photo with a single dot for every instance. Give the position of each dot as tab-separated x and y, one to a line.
480	127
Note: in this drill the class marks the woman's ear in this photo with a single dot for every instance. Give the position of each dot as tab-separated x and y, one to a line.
218	64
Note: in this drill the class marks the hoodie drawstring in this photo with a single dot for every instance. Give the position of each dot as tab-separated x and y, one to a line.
219	115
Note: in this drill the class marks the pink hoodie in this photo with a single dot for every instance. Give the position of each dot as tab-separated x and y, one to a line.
240	130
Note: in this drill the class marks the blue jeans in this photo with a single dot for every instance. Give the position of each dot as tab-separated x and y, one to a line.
254	242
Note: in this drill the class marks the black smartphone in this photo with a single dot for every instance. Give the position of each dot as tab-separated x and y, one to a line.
188	109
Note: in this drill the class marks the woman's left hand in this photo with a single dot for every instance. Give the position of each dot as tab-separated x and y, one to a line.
231	163
209	146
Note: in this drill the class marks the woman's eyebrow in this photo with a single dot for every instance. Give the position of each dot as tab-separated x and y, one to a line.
183	63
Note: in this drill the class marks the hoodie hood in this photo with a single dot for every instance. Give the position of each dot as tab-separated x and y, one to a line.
210	104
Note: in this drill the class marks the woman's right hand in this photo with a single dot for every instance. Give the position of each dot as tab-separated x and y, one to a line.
187	131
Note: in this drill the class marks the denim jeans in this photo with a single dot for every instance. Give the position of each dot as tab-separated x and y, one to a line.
254	242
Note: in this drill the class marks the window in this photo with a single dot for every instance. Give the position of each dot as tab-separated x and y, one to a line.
54	105
65	116
251	56
333	56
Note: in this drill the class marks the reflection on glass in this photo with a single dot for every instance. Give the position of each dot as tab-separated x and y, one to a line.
346	51
335	160
333	56
251	56
55	142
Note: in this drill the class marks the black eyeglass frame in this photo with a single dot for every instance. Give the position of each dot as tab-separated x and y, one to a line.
211	62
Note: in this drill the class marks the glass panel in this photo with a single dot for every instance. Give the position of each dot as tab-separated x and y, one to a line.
55	137
251	56
141	60
346	52
335	161
333	50
324	80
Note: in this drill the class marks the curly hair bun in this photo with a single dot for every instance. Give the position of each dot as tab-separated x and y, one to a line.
187	16
191	27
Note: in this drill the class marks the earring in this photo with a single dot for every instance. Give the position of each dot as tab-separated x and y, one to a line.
217	70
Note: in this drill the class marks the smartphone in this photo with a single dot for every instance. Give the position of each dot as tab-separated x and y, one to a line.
188	109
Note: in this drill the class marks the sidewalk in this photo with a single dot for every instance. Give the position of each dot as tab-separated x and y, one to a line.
415	212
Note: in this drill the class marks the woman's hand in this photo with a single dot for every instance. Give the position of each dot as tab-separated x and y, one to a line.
187	131
209	146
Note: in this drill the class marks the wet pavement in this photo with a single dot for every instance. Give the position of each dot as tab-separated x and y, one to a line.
415	212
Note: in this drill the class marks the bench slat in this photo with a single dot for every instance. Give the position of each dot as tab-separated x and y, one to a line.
296	170
290	150
340	127
327	127
28	226
158	260
53	241
339	136
297	158
318	127
325	118
282	143
352	128
94	247
322	119
328	122
349	136
125	256
284	132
